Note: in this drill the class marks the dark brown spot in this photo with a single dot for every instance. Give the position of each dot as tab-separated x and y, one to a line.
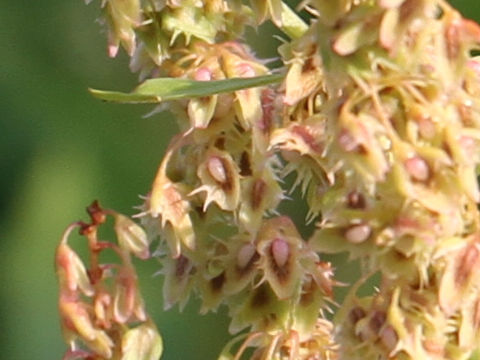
356	314
258	190
260	298
355	200
377	320
308	65
217	282
181	265
308	291
245	167
200	212
220	143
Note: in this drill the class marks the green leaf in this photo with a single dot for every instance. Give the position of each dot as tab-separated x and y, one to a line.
165	89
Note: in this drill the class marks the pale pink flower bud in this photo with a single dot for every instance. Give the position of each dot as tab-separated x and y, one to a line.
71	271
417	168
203	74
131	237
142	343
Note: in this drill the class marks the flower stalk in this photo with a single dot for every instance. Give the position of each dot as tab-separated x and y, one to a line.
375	111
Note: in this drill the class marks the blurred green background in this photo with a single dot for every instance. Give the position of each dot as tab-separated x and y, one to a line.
59	150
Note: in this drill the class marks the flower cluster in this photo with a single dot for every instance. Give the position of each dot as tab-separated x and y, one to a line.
384	136
378	117
102	312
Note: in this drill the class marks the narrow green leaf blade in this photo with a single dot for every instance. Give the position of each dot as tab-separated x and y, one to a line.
121	97
165	89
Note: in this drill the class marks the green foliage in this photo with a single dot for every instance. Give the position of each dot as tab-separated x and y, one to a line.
166	89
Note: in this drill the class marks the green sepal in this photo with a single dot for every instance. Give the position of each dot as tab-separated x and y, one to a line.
165	89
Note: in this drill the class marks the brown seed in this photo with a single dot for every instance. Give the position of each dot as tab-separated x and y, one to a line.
357	234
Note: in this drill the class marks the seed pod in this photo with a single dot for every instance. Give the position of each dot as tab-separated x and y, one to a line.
243	265
279	248
220	179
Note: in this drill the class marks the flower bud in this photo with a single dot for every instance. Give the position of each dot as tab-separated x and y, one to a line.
71	271
123	16
127	303
76	319
168	202
279	244
131	237
142	343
